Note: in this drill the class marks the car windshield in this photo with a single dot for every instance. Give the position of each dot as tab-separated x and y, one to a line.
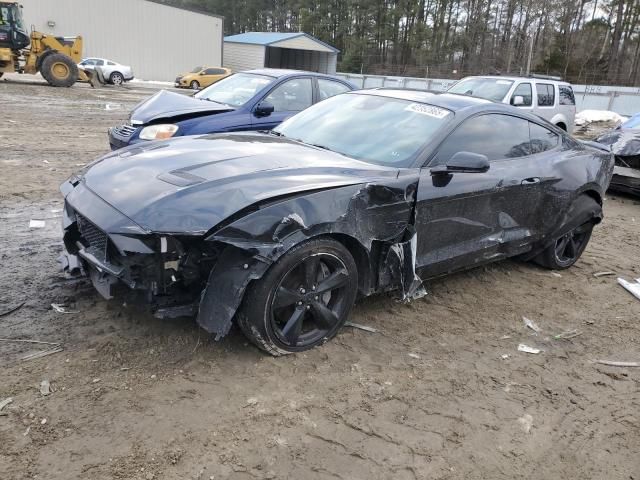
196	70
489	88
375	129
235	90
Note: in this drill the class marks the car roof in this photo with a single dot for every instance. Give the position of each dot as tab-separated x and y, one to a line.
450	101
515	78
282	72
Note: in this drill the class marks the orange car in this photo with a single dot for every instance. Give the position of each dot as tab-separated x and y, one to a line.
201	77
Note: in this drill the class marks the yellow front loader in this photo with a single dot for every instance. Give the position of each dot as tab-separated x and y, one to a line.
56	58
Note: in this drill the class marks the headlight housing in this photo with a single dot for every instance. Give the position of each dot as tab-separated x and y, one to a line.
158	132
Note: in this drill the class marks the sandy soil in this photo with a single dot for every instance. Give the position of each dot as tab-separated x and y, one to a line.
441	392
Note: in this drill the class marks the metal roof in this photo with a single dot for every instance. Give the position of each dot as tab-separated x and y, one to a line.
269	38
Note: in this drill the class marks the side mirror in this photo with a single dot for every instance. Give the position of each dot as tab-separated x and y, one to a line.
517	101
463	162
264	109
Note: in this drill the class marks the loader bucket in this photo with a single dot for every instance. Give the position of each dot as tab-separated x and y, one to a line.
94	77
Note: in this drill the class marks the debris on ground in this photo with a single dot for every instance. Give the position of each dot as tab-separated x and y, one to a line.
527	349
632	288
531	324
43	353
62	308
4	403
505	356
556	274
613	363
567	334
37	224
603	274
45	387
12	309
526	422
414	355
361	327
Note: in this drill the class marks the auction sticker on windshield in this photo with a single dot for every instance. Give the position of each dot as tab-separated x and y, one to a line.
427	110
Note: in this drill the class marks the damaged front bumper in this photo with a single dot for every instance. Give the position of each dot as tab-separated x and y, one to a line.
173	276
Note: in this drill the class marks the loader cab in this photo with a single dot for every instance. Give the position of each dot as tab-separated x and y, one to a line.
13	33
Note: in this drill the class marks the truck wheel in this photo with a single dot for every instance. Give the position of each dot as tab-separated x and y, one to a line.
59	70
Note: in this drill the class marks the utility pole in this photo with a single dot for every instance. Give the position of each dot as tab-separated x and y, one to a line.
530	55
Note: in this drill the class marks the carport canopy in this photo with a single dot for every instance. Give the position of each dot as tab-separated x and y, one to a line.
299	51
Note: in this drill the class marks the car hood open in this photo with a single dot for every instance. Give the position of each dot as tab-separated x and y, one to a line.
167	105
190	184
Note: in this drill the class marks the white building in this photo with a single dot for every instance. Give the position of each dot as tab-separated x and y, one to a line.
299	51
158	41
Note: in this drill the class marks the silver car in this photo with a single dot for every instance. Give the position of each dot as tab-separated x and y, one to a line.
114	73
547	97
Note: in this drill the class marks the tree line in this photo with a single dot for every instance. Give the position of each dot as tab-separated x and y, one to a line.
584	41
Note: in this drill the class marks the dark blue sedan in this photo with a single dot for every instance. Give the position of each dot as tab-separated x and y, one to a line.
252	100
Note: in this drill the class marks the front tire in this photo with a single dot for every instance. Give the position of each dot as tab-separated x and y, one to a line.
194	85
303	300
59	70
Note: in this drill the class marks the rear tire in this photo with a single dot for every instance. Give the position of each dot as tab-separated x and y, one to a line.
194	85
566	250
303	300
59	70
116	78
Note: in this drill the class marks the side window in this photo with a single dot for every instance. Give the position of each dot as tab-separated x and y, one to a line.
213	71
110	63
494	135
542	139
546	94
523	90
89	61
292	96
566	95
99	63
329	88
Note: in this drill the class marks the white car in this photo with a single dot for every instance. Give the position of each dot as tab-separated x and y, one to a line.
547	97
113	72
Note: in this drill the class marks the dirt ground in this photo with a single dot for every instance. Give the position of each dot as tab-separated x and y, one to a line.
441	392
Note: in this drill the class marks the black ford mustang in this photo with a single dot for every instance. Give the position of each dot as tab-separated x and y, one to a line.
365	192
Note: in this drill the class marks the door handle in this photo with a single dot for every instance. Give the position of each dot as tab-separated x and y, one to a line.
530	181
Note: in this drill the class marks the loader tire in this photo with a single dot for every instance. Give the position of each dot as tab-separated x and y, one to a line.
59	70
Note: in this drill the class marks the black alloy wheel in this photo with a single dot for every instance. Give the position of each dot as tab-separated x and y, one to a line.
570	246
303	300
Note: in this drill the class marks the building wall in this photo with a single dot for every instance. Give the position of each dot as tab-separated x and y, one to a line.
158	41
302	43
243	56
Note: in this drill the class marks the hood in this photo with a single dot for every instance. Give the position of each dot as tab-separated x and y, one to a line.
190	184
623	141
166	105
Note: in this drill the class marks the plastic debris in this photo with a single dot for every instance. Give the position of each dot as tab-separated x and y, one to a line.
556	274
632	288
505	356
61	308
613	363
531	324
566	335
603	274
5	402
361	327
414	355
45	387
526	349
37	224
526	422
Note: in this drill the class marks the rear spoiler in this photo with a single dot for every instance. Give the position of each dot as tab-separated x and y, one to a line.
596	145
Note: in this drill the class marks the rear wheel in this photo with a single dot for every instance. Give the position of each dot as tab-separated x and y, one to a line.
116	78
194	85
303	300
567	249
59	70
